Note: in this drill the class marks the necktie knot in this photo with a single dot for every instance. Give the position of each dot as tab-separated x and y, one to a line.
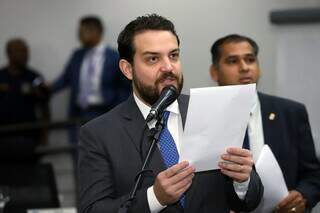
165	117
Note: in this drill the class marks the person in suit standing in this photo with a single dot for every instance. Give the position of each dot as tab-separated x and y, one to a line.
23	101
281	123
92	74
111	151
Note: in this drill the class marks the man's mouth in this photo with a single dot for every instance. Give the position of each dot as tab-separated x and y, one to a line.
168	79
245	80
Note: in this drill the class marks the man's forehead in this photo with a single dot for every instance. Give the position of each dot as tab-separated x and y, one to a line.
242	48
155	41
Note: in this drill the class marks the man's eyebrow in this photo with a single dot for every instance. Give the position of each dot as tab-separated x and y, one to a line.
157	53
150	53
231	56
250	54
235	55
175	50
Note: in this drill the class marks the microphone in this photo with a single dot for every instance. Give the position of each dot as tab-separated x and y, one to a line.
168	95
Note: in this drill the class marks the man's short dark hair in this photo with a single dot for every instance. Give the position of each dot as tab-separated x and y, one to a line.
14	41
92	21
216	48
140	24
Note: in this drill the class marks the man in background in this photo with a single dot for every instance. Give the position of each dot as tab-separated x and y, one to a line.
281	123
92	74
23	101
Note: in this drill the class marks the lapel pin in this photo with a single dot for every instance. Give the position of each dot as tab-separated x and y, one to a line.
272	116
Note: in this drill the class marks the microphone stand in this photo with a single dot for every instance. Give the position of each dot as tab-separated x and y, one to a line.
155	134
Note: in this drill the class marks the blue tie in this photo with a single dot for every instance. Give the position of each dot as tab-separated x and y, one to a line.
86	84
168	148
246	144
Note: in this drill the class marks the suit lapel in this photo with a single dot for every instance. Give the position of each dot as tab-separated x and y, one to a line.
76	71
109	70
133	122
134	125
183	101
270	122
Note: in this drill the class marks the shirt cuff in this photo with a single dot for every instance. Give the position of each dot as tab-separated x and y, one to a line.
153	202
241	188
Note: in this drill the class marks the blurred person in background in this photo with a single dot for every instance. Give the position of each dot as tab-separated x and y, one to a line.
92	73
23	101
281	123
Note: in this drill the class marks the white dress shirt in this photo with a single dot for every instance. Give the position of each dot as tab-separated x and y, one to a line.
255	130
98	58
176	129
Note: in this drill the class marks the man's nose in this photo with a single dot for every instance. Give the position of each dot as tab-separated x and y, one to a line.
244	67
166	65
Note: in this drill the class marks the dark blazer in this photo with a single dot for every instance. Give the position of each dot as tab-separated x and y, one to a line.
290	139
115	88
111	154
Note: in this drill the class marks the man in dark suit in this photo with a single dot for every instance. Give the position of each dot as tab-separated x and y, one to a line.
93	74
112	147
22	101
281	123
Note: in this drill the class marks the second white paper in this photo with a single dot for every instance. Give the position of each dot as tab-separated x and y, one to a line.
275	188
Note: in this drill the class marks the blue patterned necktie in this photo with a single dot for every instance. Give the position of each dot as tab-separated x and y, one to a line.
168	148
86	82
246	143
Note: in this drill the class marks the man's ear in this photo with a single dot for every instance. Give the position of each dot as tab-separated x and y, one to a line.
214	73
126	68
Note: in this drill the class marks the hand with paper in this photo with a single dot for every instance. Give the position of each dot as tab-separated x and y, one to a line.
237	163
216	122
294	202
275	188
171	183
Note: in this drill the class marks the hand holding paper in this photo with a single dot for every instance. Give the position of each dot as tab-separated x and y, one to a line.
293	202
275	188
217	119
237	164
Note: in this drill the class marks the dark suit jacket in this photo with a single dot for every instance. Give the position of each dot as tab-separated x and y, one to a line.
111	154
115	88
289	137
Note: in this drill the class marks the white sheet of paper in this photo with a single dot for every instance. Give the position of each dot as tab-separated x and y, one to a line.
275	188
217	119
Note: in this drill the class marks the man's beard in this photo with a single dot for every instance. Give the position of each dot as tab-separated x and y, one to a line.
150	94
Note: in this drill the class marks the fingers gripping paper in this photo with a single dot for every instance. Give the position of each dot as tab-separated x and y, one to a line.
217	119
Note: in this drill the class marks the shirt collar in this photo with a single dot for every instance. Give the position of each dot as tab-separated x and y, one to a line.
256	104
98	48
145	109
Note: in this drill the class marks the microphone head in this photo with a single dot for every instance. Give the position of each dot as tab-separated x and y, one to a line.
170	93
167	96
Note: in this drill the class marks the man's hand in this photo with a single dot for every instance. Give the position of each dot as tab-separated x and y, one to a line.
237	163
294	203
173	182
41	91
